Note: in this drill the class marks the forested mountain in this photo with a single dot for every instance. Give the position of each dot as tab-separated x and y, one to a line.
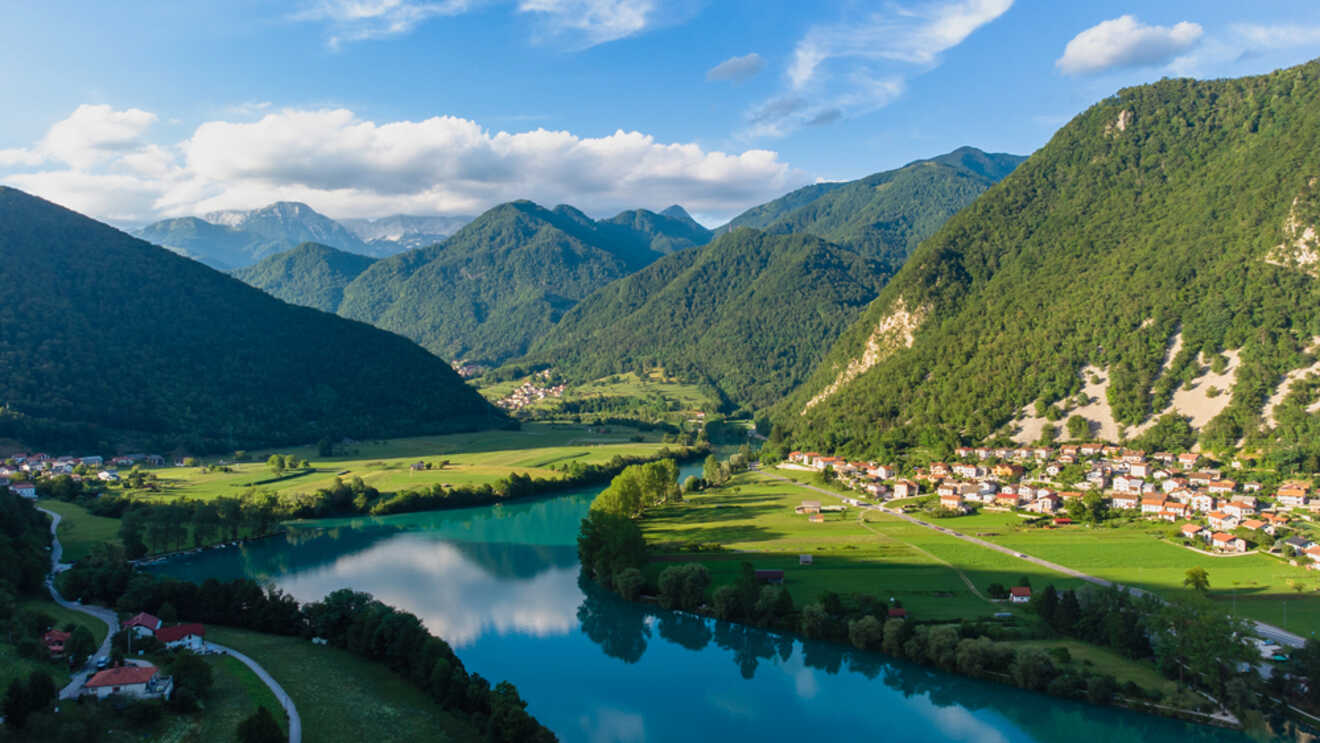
107	339
884	216
399	232
237	238
311	275
750	313
1156	260
496	285
754	325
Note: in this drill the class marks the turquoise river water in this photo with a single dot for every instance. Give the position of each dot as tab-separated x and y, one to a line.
502	585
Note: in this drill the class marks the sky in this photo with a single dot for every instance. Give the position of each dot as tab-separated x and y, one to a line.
135	111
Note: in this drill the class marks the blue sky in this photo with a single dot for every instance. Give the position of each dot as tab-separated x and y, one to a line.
131	111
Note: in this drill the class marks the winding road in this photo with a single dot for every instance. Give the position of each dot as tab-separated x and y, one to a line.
1267	631
111	620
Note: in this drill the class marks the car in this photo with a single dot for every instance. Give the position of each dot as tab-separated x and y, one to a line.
1019	554
102	662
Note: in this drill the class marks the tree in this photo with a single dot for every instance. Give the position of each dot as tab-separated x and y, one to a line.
261	727
628	582
1078	427
276	464
1197	579
192	673
16	707
867	633
80	646
41	690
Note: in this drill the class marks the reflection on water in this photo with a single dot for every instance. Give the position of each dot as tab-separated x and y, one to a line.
502	585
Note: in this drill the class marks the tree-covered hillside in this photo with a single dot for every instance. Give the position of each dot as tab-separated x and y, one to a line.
884	216
494	287
311	275
108	340
750	313
1160	237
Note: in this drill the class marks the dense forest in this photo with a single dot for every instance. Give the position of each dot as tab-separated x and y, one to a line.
751	313
1166	221
311	275
107	341
489	291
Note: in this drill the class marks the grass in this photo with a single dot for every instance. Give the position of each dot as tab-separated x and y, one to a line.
1101	660
13	667
882	556
473	458
341	697
79	530
235	696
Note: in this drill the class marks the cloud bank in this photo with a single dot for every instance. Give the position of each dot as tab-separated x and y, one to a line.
737	69
102	161
1126	42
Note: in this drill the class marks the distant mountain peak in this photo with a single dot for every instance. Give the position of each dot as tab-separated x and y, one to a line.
674	211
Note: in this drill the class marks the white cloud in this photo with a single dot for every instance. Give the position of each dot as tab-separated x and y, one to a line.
1126	42
1274	37
359	20
351	167
586	23
859	65
737	69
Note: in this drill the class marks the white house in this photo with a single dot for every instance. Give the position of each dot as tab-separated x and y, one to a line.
1019	594
143	625
189	636
24	489
134	681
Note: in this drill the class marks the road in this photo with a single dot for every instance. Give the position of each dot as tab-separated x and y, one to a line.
111	620
1267	631
295	722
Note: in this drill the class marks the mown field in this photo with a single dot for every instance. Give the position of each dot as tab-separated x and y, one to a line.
456	459
235	695
79	530
343	698
879	555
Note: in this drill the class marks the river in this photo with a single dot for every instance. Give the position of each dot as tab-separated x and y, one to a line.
502	585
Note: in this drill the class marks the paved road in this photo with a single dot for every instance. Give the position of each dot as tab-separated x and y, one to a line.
112	621
295	722
1267	631
105	615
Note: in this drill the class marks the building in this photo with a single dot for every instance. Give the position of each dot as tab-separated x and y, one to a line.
1019	594
1192	531
905	489
186	636
952	502
1228	542
143	625
54	641
24	489
134	681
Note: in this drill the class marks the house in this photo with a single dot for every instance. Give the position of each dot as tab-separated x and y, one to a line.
881	471
964	452
905	489
1192	531
134	681
1134	456
1237	508
1313	553
1228	542
805	559
1202	502
1126	501
1301	544
940	469
1188	461
24	489
107	476
969	471
1221	520
155	460
1291	495
1173	511
54	640
1201	478
952	502
143	625
1019	594
1007	500
1152	505
1253	524
1220	487
1044	504
1008	471
877	490
188	636
816	518
92	461
1090	450
1139	469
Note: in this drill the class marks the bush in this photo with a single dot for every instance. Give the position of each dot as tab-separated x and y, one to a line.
629	583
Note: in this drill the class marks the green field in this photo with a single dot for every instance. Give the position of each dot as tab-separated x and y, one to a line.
79	530
1101	660
473	458
235	695
12	666
882	556
341	697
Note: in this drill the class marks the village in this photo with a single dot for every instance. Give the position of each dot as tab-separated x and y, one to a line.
1213	512
20	471
530	393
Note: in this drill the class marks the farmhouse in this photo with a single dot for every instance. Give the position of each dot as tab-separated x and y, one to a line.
1019	594
189	636
134	681
54	641
143	625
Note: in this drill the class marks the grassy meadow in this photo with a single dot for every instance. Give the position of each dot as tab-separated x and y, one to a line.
79	530
455	459
342	698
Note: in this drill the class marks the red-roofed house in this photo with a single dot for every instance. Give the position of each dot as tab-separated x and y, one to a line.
1221	520
136	681
55	640
1228	542
24	489
143	625
1253	524
1019	594
189	636
1192	531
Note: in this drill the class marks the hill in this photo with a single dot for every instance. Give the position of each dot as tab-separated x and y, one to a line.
1157	258
109	340
750	313
386	236
885	215
311	275
763	319
227	240
496	285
